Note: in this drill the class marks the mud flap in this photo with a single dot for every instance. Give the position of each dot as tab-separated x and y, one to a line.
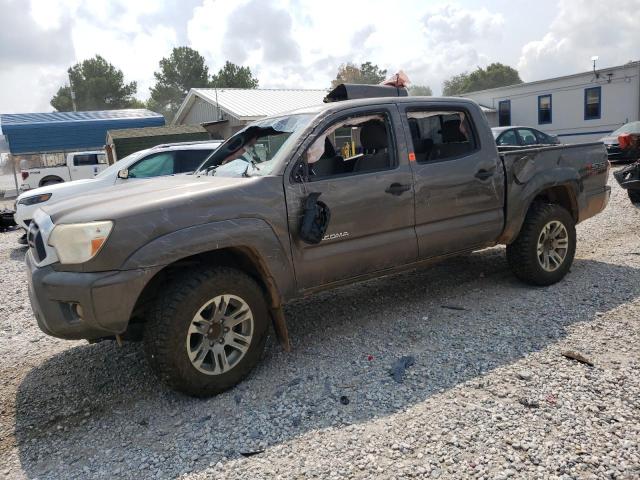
280	326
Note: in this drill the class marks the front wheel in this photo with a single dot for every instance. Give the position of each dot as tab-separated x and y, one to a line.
634	196
544	249
207	331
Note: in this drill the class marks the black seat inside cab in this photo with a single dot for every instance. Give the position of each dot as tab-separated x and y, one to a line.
330	163
454	142
375	145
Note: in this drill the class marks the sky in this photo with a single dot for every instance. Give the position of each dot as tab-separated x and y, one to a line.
301	43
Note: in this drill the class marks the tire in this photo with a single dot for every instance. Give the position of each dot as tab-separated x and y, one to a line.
522	254
634	196
169	332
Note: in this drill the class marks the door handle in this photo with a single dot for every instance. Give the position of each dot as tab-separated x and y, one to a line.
397	188
484	174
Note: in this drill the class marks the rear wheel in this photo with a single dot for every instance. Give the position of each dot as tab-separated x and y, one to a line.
208	332
544	249
634	195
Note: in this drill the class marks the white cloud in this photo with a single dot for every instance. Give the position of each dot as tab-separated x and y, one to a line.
430	44
580	30
450	22
301	43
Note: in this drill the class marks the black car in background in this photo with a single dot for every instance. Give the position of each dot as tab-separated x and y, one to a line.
509	138
614	152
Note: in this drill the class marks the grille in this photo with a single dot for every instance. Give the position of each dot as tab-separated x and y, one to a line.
36	243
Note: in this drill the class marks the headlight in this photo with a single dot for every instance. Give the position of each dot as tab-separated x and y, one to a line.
35	199
79	242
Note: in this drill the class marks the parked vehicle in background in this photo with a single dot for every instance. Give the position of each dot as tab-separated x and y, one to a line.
617	154
79	165
629	177
197	266
510	138
161	160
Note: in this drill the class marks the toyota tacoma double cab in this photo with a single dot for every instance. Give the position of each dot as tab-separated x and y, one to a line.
197	267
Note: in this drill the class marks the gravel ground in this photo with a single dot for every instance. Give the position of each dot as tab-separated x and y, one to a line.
489	394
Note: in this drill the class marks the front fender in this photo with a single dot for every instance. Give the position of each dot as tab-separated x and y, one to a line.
252	233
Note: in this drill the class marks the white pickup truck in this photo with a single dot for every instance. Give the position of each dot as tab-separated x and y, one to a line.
80	165
167	159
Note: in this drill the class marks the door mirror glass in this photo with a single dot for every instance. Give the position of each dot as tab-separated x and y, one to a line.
123	174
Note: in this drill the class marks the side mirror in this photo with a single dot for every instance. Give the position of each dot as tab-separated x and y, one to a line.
123	174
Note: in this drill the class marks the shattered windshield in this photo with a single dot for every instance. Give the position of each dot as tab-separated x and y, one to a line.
257	149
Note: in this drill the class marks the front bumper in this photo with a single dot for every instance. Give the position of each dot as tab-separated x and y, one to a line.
106	299
629	177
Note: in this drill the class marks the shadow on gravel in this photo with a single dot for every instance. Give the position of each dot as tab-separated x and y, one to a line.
89	410
18	253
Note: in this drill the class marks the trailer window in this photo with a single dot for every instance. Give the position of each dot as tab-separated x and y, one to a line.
592	103
504	113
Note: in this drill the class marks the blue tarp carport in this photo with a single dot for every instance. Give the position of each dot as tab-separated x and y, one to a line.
68	131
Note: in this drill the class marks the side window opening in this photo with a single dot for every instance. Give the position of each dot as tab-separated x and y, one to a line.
508	138
85	159
189	160
351	146
438	135
153	166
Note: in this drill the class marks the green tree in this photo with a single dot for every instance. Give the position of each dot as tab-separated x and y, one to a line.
366	73
183	70
420	90
234	76
495	75
97	85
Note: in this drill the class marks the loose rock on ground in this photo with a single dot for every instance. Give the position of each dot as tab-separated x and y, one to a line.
491	393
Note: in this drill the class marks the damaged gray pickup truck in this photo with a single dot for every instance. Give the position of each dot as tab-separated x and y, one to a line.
198	266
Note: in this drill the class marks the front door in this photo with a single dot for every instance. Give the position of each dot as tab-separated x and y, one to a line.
459	179
359	165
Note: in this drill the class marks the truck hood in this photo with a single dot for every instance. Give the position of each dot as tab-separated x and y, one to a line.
138	197
145	210
57	188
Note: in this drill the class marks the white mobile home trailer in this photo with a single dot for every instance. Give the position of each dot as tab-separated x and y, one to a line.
577	108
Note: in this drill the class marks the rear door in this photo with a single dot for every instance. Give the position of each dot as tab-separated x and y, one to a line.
459	181
358	163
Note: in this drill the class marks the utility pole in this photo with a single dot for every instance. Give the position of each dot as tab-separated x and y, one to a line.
73	94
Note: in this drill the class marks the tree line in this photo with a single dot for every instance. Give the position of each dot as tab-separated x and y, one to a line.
98	85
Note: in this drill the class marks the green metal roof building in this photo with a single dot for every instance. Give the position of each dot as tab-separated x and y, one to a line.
123	142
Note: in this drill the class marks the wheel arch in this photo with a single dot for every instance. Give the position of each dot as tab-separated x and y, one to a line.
48	178
563	194
260	255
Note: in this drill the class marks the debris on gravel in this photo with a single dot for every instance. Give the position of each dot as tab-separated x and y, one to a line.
490	395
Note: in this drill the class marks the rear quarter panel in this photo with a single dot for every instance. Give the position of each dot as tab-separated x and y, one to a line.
583	169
